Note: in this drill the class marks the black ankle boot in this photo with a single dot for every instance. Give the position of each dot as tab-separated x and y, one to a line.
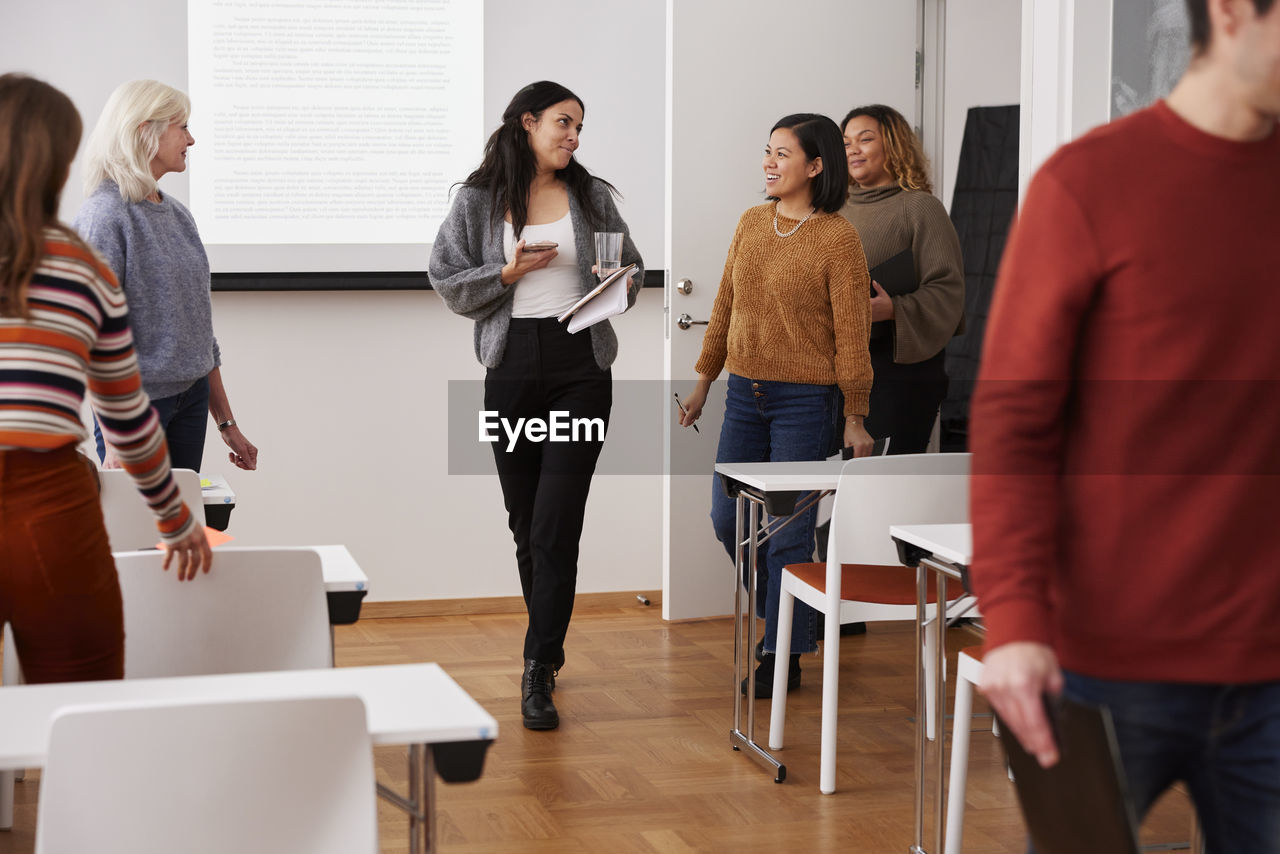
535	696
764	676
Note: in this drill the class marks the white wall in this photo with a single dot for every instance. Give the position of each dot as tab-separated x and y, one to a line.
344	392
344	395
982	69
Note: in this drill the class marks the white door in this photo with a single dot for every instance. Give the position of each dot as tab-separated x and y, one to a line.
737	66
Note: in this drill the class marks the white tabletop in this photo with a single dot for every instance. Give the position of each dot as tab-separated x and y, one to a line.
217	490
341	572
785	476
405	703
952	543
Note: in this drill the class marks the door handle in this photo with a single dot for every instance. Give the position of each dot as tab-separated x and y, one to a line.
684	321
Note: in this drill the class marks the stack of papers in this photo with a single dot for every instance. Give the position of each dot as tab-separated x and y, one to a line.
607	299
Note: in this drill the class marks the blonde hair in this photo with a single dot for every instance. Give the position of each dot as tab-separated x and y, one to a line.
904	156
127	137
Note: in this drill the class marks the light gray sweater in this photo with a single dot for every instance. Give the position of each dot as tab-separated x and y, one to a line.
468	256
156	253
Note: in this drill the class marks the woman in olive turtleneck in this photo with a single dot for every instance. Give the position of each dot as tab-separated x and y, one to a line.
892	205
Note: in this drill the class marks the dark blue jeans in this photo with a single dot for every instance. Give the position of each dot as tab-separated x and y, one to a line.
1222	740
766	421
184	418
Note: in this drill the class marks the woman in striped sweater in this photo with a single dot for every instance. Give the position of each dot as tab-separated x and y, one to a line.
63	322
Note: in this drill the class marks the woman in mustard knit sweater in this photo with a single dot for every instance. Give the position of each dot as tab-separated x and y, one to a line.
791	322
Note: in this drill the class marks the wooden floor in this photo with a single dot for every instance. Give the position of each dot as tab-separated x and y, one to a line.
642	763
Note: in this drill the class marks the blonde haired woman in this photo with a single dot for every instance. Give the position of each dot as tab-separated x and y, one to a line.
891	203
150	240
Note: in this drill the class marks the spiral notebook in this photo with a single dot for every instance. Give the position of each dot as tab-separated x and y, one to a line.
605	300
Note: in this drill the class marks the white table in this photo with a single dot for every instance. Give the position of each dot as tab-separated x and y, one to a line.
410	704
345	584
947	551
774	487
219	500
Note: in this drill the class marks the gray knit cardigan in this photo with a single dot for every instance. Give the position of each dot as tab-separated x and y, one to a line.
468	256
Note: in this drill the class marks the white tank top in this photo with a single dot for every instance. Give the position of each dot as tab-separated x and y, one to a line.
554	289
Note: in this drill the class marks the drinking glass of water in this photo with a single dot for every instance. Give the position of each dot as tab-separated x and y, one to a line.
608	253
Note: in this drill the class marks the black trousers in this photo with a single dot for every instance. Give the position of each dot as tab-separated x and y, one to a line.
905	398
544	371
904	404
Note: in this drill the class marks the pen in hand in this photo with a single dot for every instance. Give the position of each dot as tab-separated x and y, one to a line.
684	411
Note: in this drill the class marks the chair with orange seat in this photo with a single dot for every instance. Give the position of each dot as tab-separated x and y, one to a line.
862	579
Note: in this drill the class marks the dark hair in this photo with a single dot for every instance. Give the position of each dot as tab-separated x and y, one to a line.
1198	12
903	154
508	167
39	133
819	137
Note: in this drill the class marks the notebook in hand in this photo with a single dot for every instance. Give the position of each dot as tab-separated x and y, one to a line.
605	300
897	275
1080	804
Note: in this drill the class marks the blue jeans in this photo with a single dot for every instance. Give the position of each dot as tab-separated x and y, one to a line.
766	421
1222	740
184	418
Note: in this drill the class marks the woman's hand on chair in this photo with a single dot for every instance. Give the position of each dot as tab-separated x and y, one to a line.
192	553
857	437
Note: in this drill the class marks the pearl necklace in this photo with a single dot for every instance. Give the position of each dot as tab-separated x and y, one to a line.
798	224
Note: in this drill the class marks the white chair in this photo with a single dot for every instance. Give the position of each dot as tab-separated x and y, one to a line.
130	522
257	609
291	776
862	579
968	676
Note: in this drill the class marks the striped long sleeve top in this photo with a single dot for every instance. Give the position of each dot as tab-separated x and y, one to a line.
78	334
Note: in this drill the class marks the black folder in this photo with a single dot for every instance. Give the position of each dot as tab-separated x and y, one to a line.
897	275
1081	804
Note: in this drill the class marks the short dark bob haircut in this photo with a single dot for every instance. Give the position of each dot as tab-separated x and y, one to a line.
820	137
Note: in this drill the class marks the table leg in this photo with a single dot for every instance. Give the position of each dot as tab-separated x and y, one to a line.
739	561
422	823
753	522
748	542
940	703
6	800
921	598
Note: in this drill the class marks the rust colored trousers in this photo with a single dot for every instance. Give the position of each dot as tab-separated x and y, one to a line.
58	585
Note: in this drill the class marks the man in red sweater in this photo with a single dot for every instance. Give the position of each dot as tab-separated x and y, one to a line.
1126	438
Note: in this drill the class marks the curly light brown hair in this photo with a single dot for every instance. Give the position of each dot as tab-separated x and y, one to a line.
904	156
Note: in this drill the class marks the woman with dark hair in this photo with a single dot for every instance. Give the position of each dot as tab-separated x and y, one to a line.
64	323
790	322
529	188
892	205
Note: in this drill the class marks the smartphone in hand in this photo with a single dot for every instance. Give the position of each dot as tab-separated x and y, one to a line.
540	246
